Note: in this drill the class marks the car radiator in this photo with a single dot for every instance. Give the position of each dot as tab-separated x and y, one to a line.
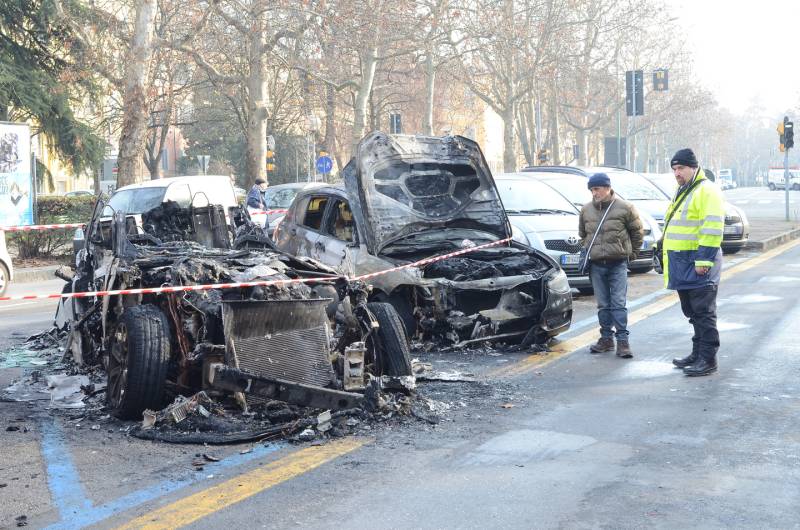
279	339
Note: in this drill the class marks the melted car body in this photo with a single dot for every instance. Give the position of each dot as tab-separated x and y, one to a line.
408	198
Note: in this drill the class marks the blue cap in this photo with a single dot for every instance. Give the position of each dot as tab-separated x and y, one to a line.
598	180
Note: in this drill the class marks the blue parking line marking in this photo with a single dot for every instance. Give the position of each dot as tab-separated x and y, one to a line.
74	507
62	476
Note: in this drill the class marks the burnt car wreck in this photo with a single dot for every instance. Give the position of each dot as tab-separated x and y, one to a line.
407	198
316	343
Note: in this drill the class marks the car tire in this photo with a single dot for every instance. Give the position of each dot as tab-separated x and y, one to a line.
5	278
587	291
388	342
771	186
401	304
795	187
138	362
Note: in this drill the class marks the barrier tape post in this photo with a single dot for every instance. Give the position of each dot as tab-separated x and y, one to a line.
239	285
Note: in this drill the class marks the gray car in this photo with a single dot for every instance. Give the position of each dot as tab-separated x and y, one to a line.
544	219
409	198
737	226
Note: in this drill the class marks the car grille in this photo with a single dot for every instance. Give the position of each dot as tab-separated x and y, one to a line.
561	245
732	237
643	254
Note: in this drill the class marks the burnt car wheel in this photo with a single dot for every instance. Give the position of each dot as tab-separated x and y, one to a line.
401	304
138	361
389	342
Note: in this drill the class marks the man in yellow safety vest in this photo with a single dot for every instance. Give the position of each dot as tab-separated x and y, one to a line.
693	258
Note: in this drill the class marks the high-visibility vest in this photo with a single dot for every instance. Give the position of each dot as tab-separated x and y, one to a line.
699	221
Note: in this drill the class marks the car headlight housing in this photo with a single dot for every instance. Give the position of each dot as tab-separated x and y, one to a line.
558	282
519	236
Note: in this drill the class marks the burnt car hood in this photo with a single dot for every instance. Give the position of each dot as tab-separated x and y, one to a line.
408	184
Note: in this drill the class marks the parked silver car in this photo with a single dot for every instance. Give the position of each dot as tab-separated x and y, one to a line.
407	198
737	226
544	219
571	183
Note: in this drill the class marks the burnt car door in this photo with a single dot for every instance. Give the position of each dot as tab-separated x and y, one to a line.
304	229
338	240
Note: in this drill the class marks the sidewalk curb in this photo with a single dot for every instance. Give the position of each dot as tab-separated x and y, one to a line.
35	274
774	241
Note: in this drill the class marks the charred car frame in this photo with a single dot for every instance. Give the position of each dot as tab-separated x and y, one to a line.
313	344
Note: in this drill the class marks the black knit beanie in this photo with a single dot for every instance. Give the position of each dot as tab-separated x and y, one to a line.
684	157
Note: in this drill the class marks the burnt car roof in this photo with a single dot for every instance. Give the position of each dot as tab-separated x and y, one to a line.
402	184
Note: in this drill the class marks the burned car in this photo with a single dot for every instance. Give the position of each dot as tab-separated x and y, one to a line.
295	331
408	198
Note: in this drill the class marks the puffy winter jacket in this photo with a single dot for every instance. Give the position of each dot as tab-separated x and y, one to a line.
621	235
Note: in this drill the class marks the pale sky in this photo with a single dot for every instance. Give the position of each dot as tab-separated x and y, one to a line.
744	49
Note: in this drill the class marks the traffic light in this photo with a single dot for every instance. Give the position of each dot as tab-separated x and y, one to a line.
780	130
661	80
788	133
634	93
270	160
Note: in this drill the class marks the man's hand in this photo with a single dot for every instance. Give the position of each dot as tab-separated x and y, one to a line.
701	271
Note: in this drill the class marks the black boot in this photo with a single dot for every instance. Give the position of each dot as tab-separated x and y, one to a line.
701	367
683	362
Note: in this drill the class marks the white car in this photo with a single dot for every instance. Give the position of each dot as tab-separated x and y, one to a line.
6	269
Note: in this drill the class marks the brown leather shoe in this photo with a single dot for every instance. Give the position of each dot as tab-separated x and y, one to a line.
624	349
603	345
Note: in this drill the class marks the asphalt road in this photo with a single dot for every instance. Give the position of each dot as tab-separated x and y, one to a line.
761	203
565	439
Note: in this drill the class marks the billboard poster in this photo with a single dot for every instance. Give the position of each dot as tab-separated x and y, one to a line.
16	178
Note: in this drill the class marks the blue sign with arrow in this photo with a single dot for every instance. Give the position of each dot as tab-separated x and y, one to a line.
324	164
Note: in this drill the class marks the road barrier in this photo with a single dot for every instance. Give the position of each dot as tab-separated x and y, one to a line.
239	285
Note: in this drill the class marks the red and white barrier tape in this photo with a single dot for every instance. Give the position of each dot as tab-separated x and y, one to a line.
238	285
267	212
39	227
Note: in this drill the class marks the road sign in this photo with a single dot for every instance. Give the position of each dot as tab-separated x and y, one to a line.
324	164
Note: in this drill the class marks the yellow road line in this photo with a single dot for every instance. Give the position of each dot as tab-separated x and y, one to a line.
239	488
569	346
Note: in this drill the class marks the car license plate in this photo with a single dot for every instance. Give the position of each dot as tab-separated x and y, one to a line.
732	230
570	259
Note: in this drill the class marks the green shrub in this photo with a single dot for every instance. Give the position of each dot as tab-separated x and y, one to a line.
52	210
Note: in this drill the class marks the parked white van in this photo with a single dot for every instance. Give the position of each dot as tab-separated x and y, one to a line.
775	179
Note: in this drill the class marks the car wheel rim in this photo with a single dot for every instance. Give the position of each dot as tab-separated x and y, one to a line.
118	367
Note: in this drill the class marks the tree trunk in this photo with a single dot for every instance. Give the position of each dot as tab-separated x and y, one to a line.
369	62
555	141
509	151
256	156
581	138
430	85
134	120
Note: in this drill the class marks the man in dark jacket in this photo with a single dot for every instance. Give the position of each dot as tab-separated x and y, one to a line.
616	241
255	197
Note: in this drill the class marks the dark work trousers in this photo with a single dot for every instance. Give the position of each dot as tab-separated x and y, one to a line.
700	307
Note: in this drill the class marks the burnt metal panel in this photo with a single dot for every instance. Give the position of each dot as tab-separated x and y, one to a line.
280	339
